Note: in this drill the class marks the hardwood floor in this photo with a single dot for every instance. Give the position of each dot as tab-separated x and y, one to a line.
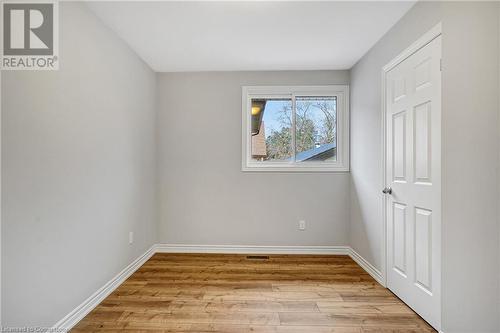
233	294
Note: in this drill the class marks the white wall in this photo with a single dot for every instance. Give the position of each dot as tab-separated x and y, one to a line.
366	141
205	198
78	166
470	155
470	175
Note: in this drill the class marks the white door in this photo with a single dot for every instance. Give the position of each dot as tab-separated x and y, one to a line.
413	173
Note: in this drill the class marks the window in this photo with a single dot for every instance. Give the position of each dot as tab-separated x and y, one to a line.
295	128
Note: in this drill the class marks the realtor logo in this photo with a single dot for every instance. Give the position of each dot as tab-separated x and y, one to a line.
30	36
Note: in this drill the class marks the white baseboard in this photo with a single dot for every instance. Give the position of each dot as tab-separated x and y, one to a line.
369	268
90	303
251	249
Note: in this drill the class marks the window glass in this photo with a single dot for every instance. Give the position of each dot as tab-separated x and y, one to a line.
271	126
316	129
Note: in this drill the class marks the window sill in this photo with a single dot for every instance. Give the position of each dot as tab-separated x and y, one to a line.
295	169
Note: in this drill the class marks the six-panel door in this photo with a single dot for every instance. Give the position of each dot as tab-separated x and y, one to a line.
413	168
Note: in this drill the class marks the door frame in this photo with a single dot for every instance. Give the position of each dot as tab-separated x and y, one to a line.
425	39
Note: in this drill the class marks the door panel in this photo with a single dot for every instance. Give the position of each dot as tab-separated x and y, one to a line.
423	250
400	238
413	171
399	146
422	139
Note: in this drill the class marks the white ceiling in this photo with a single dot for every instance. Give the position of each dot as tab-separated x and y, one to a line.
255	35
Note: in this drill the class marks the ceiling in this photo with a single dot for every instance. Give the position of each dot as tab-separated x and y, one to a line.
255	35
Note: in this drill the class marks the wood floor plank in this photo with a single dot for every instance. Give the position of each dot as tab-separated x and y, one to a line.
364	308
358	320
231	294
206	328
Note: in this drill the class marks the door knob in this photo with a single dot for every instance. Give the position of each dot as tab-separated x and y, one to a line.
387	190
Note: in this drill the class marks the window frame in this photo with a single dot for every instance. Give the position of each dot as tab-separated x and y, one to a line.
341	92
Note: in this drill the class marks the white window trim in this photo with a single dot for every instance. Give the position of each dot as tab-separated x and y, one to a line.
342	94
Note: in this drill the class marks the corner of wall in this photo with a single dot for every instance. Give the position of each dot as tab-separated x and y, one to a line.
157	158
498	165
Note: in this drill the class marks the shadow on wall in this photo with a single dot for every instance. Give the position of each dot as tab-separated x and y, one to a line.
364	222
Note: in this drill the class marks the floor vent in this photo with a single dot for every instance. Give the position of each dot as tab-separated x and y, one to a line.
258	257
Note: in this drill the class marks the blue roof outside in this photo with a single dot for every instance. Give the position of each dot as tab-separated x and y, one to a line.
308	154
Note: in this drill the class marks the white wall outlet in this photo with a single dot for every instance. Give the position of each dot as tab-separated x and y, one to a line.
302	225
130	237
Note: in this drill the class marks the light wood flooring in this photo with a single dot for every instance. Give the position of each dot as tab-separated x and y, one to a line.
232	294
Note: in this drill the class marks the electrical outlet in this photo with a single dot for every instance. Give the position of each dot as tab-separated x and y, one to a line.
130	237
302	225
